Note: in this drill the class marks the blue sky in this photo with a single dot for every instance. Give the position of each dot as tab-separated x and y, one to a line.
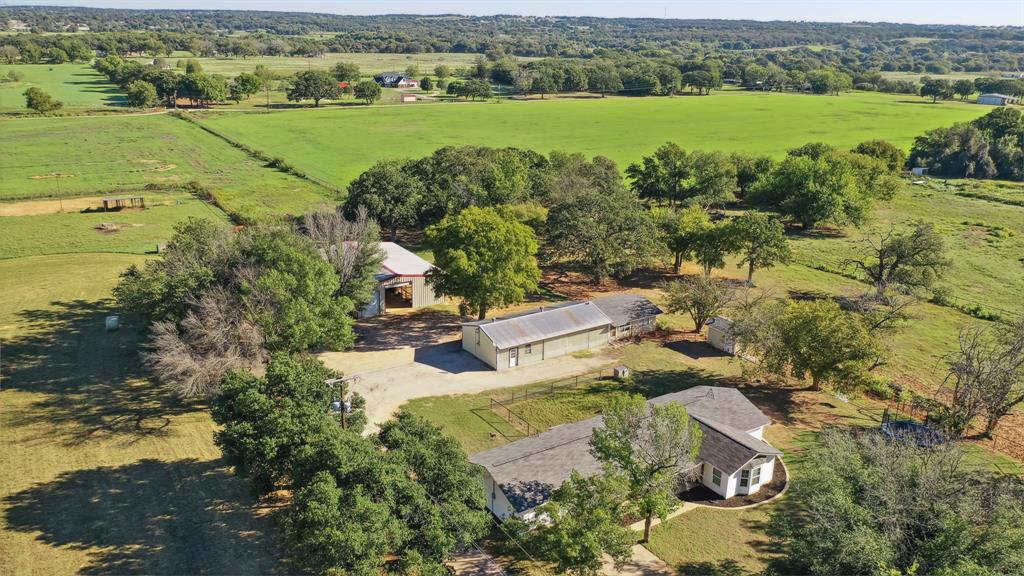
977	12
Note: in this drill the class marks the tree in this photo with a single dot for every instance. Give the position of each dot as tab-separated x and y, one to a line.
868	505
713	244
960	151
907	261
390	194
292	293
193	67
315	85
585	523
814	338
213	339
442	71
141	94
198	255
937	88
749	170
713	179
681	231
268	421
268	78
761	240
651	445
828	81
603	233
14	75
484	259
40	101
346	72
963	88
351	246
244	86
426	83
893	157
662	176
9	54
603	78
698	80
367	91
986	376
814	190
701	296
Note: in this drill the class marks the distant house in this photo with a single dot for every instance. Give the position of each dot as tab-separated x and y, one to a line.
551	331
919	171
998	99
720	335
401	282
733	460
343	85
407	97
396	80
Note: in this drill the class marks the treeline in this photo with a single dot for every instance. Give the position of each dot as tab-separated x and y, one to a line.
850	48
989	147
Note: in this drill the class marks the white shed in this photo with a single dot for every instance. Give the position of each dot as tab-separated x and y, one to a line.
401	282
997	99
720	335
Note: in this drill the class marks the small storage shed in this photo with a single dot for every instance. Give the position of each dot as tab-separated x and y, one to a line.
536	335
631	314
720	335
407	97
997	99
401	282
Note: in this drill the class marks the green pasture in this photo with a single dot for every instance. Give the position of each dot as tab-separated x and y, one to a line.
128	231
103	155
337	145
76	85
104	472
369	63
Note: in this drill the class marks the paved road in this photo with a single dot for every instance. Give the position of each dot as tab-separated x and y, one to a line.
445	369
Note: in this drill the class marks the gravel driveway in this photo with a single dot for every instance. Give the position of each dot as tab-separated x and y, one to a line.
444	369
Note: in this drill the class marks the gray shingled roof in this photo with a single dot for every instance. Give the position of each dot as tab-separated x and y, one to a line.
542	323
626	308
528	470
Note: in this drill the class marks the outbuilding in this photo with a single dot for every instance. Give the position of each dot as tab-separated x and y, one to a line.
401	283
407	97
556	330
997	99
720	335
631	314
733	459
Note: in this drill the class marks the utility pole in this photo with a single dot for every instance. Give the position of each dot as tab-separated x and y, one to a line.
339	390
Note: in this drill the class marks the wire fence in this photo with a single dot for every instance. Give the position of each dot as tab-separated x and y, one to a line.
502	405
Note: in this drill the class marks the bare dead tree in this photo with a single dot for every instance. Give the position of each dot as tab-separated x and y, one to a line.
970	372
1004	388
351	246
213	339
903	261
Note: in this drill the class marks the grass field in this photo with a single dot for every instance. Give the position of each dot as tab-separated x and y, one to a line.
337	145
103	473
100	155
369	64
76	85
137	231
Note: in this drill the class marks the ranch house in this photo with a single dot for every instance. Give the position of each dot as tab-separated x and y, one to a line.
733	460
396	80
401	282
551	331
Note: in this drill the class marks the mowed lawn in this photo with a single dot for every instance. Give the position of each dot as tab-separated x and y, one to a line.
338	144
102	472
106	155
76	85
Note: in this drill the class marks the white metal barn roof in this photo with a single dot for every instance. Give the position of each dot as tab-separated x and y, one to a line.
543	324
401	262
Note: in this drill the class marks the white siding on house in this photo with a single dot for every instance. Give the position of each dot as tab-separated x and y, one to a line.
552	348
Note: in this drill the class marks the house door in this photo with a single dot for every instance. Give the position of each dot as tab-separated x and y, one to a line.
513	357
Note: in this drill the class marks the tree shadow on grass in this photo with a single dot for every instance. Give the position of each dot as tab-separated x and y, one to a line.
720	568
150	517
89	381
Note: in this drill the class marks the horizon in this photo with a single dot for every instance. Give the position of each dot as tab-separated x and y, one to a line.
984	13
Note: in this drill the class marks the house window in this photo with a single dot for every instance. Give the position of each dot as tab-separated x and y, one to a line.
744	478
529	348
755	476
716	476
